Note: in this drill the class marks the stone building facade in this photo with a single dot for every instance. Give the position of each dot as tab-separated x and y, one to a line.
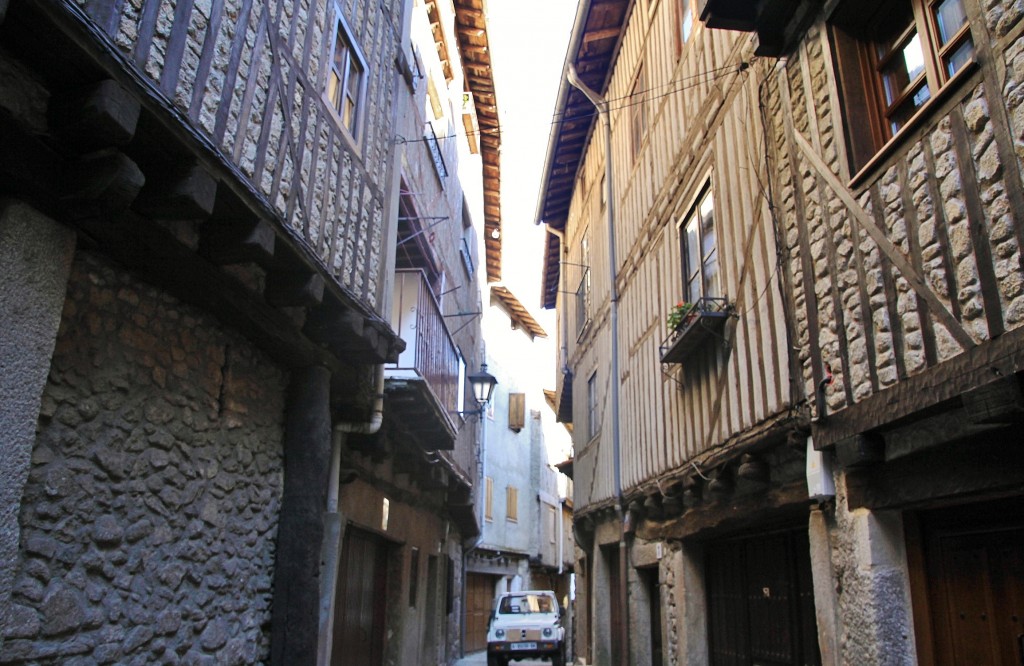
828	471
198	223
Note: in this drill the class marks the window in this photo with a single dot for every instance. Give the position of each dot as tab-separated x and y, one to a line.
893	58
552	524
685	24
592	423
512	504
488	499
700	250
346	80
637	111
583	290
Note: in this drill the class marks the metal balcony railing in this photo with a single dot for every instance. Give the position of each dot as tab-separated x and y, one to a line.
430	352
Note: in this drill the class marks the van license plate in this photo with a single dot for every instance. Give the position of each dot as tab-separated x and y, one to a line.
524	646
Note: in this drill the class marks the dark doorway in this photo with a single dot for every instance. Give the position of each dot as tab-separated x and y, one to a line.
967	577
615	601
361	604
761	601
652	590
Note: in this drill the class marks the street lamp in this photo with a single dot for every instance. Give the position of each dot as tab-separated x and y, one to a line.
483	384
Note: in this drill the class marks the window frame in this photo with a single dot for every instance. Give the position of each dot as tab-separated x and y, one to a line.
343	33
695	214
583	290
855	44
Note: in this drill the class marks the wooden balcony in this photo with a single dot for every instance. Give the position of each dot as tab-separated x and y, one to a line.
705	320
422	386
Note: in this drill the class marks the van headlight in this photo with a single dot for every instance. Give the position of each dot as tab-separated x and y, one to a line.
500	633
547	632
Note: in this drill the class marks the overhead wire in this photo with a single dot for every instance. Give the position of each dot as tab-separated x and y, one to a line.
634	99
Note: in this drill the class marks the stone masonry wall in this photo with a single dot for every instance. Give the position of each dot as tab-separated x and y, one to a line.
873	328
149	519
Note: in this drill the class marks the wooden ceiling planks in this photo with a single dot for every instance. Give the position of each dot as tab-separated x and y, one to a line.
471	27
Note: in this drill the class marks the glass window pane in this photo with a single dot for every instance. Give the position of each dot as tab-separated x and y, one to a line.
707	226
691	251
334	90
903	68
960	57
687	25
711	275
950	17
901	114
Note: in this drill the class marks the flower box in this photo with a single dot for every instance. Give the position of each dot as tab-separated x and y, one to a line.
704	319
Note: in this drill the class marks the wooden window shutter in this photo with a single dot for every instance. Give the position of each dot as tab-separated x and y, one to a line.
516	411
512	504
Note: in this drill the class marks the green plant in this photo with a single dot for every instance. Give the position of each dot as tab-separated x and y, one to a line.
677	314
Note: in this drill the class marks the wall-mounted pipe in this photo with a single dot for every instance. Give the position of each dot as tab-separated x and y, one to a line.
333	529
601	104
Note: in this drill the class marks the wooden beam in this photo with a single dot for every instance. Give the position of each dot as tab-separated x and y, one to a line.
161	259
104	115
990	463
294	289
598	35
185	192
109	181
976	367
738	512
237	241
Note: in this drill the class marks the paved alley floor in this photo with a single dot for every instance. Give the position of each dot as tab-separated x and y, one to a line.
480	659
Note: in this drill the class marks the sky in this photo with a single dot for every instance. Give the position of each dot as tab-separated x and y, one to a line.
528	40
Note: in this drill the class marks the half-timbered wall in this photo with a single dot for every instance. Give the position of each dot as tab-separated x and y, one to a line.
699	108
915	261
249	78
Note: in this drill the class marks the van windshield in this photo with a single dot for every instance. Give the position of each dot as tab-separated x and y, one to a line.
526	603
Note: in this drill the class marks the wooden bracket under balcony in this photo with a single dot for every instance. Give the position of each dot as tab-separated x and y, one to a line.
238	241
184	192
102	116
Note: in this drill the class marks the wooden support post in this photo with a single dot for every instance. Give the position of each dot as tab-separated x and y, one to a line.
307	454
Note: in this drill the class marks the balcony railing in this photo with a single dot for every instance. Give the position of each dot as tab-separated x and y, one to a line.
430	353
704	320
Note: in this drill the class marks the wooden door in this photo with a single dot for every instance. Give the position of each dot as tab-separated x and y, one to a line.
361	605
760	605
974	568
479	600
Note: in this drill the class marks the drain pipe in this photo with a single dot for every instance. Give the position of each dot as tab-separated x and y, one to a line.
333	528
601	104
466	552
